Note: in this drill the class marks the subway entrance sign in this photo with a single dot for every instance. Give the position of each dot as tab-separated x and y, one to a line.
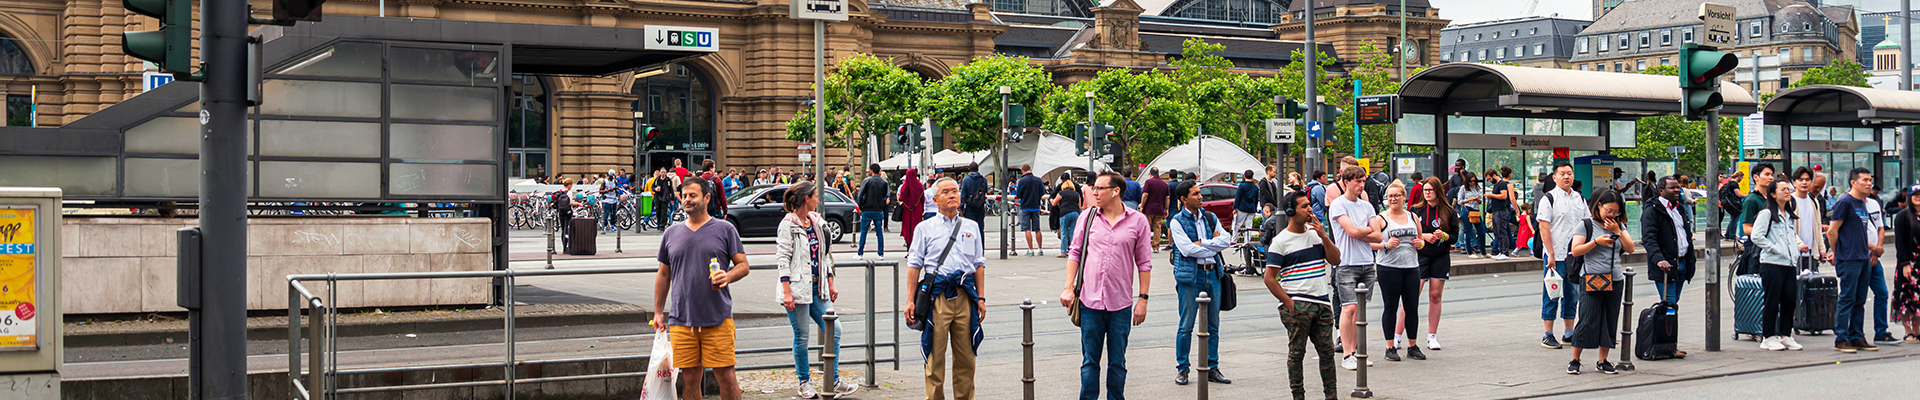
660	37
1377	109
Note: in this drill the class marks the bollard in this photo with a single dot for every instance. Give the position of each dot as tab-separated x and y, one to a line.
1360	390
550	227
1200	330
829	350
616	234
1626	323
1026	347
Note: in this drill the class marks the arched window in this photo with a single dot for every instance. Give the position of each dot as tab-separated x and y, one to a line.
527	128
13	57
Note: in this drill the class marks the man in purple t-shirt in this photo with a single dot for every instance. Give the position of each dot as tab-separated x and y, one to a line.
700	318
1153	203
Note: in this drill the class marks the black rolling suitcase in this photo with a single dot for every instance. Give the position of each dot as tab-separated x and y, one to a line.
1819	299
580	236
1658	335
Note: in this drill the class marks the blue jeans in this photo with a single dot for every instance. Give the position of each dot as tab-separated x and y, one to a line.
1568	303
1203	281
1066	230
1853	298
1104	331
1670	291
872	219
607	214
798	317
1877	282
1475	235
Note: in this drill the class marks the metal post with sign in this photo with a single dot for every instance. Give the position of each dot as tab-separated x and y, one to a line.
820	11
31	342
1718	21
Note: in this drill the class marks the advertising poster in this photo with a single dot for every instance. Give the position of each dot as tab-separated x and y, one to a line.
17	316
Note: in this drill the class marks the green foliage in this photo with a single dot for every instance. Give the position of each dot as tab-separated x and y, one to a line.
1842	72
1375	74
1231	105
1654	134
1147	110
967	103
866	93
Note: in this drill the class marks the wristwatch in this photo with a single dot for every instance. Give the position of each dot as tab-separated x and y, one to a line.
1143	296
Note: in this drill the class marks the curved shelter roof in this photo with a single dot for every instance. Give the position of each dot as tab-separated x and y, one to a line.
1844	106
1500	90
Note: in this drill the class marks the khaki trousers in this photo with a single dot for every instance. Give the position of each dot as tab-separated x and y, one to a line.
1159	225
952	324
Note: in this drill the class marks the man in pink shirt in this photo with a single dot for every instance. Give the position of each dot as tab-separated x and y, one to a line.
1105	292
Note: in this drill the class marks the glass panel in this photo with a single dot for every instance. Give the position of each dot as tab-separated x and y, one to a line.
157	177
89	176
1622	134
165	135
1503	158
1538	162
319	139
1889	139
1580	127
1465	124
1543	127
443	179
445	103
345	59
1799	159
319	180
1415	129
1476	159
470	67
1771	137
1819	133
444	142
326	99
1505	126
1798	133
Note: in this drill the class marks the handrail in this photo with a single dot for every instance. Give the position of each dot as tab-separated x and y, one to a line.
321	379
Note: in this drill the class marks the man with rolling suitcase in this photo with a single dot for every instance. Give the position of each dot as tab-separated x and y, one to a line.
1852	255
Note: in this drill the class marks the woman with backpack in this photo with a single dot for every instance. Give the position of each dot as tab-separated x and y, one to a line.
1777	237
1602	243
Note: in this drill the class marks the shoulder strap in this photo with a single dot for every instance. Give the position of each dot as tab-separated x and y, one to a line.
1086	226
952	238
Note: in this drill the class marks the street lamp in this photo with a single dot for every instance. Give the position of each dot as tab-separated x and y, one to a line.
1090	132
1005	93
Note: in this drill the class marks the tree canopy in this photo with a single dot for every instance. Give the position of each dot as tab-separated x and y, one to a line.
967	102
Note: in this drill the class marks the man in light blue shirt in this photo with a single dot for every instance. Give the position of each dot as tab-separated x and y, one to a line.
1198	238
947	255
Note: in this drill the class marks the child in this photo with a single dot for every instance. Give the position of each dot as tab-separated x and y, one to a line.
1524	240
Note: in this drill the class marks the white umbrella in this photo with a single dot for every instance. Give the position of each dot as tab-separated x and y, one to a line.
1208	156
953	159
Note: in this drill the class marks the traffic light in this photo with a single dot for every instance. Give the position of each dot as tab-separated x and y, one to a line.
297	10
1105	140
907	138
1080	138
646	133
1293	109
1700	70
171	47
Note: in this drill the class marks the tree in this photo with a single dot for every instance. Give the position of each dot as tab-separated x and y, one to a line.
967	103
1375	74
863	92
1230	103
1654	134
1146	110
1842	72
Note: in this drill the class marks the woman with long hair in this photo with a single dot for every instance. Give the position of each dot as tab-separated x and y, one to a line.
806	286
1439	230
1068	202
1398	266
1778	239
1906	282
1603	242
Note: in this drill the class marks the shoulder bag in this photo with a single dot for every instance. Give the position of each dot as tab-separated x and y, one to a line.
923	297
1229	296
1594	282
1080	275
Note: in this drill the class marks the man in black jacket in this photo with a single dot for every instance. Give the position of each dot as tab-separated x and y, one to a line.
873	211
1730	200
1668	243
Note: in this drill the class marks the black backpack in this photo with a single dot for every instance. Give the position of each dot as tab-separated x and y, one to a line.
1729	196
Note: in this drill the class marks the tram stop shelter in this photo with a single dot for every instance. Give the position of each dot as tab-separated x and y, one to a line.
1494	115
1841	128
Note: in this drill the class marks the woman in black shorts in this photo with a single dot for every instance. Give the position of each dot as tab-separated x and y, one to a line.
1437	227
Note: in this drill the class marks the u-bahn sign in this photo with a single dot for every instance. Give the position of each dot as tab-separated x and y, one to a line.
680	38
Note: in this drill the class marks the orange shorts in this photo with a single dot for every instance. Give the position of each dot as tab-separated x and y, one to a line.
702	346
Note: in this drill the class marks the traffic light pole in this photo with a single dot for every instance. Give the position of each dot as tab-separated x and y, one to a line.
222	341
1006	205
1311	51
1713	231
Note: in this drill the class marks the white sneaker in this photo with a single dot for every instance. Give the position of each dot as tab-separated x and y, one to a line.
842	389
1474	256
1349	363
806	390
1790	343
1433	341
1499	257
1772	343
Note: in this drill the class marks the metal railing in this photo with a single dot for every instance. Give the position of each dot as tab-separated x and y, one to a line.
318	377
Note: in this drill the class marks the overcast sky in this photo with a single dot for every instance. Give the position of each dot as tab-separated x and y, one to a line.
1468	11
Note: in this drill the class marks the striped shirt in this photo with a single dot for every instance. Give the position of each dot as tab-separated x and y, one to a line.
1302	261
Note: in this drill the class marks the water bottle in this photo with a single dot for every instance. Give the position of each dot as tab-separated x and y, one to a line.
713	267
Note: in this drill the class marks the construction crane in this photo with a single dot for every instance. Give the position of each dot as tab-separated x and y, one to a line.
1530	6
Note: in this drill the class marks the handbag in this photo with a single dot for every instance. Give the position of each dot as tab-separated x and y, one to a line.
1473	217
1229	296
1597	282
923	297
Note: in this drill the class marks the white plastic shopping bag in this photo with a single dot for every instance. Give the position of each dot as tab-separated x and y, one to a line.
1553	282
660	373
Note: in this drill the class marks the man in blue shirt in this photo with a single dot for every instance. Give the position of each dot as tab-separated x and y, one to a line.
1852	252
1246	202
1317	192
1131	196
1030	192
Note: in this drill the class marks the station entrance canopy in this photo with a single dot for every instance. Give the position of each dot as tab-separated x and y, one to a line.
1843	127
354	109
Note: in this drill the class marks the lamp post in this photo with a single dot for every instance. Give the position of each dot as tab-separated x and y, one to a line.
1090	132
1005	242
1312	75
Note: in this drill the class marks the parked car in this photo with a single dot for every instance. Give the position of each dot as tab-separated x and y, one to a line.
756	211
1218	198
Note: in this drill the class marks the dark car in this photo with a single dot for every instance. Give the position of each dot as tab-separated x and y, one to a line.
756	211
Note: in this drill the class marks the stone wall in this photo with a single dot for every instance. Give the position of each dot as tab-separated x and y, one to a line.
127	265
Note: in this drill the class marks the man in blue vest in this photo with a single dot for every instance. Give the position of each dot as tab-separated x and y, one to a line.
1198	239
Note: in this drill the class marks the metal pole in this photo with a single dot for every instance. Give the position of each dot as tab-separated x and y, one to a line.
871	324
1906	83
617	240
551	226
1713	230
1026	348
1360	389
896	320
829	347
1356	121
1200	321
1200	150
1005	205
223	202
1090	133
1402	76
1280	149
820	145
508	325
1314	145
1626	323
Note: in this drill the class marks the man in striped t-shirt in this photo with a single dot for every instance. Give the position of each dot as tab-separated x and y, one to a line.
1298	275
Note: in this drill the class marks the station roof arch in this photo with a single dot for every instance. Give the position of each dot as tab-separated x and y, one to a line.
1843	106
1511	91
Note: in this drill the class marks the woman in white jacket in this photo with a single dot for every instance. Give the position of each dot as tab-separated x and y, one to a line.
1775	233
806	286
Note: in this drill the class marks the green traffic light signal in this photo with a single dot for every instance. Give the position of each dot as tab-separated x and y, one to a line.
1080	138
1700	70
170	47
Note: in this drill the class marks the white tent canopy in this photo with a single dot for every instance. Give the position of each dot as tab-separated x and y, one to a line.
953	159
1050	155
900	162
1208	156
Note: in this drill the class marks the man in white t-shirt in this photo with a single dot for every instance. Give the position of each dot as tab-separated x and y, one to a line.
1812	222
1352	236
1561	213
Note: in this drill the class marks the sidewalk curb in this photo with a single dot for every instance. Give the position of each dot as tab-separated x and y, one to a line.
1702	377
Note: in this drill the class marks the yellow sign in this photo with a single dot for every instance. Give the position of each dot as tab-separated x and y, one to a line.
1746	177
1366	163
17	252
